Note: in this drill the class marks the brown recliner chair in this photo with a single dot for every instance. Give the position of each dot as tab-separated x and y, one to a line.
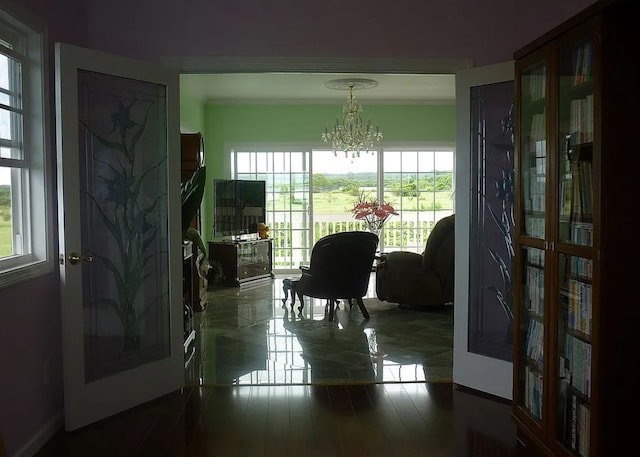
420	280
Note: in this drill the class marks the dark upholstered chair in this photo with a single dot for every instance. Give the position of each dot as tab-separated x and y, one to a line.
420	280
340	269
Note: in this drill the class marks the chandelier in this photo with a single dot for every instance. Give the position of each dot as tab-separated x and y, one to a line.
350	134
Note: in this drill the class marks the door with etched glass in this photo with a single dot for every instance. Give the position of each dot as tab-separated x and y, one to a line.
120	244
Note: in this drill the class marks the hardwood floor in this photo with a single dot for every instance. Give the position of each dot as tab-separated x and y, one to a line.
244	400
404	420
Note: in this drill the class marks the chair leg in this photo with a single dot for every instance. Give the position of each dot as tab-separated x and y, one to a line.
286	286
365	313
332	305
301	302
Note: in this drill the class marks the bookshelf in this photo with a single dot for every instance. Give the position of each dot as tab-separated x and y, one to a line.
576	342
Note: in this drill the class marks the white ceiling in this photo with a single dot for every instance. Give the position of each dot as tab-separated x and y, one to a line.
305	88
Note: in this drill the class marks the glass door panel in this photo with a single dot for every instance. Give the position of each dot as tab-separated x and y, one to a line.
574	352
576	126
286	174
532	332
338	183
533	146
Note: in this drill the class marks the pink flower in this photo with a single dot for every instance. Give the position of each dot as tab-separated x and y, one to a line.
373	212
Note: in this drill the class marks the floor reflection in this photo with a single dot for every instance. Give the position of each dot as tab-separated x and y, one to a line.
247	337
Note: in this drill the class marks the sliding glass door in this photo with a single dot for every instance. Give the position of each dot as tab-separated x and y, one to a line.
286	174
338	182
311	193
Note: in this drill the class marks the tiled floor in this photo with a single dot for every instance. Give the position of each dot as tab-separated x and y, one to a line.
247	337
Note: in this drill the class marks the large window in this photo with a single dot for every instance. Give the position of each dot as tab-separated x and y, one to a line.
25	222
419	183
310	194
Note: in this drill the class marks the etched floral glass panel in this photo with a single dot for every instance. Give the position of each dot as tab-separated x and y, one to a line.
492	221
123	201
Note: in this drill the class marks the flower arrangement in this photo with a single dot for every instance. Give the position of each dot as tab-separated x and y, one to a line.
373	212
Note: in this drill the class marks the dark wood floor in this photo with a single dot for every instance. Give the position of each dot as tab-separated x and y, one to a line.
404	420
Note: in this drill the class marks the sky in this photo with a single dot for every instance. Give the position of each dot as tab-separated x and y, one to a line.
325	162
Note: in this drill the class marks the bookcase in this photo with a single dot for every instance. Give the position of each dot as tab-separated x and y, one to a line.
577	317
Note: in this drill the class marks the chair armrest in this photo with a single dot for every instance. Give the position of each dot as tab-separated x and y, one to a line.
404	258
403	267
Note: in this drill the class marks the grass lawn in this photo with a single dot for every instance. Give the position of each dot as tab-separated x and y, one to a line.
5	239
331	202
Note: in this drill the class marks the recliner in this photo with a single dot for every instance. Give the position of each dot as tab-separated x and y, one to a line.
420	280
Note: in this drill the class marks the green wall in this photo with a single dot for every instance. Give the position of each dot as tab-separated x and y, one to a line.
228	125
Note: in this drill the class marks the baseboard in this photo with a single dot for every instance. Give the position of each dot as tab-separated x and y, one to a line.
41	437
480	393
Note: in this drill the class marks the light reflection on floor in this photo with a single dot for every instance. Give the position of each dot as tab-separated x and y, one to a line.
246	337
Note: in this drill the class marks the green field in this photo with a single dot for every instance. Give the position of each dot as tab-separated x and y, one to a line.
5	221
335	201
5	238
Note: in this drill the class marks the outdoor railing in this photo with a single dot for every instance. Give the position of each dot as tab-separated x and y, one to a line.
396	235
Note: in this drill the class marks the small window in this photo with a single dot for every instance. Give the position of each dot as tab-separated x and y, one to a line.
25	197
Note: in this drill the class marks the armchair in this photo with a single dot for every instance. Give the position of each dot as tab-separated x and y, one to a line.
420	280
340	268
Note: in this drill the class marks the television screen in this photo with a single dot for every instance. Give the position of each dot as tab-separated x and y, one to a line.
239	206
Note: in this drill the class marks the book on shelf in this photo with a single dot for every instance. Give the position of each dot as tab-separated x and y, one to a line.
533	392
580	306
583	433
534	226
576	425
581	120
578	355
535	257
583	63
535	288
535	342
581	267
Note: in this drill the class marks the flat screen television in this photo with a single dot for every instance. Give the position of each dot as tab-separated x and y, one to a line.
238	207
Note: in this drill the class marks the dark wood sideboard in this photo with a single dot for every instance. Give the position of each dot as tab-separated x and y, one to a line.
243	261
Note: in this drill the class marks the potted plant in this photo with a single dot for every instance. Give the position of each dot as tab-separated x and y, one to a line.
192	191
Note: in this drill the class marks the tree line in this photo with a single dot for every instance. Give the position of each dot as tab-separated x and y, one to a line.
432	182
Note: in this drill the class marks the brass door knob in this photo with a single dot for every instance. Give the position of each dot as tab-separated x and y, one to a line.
74	258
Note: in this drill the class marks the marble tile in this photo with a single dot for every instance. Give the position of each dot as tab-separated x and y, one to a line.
249	336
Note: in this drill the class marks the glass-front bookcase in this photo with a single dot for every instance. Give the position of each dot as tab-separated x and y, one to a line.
574	243
533	144
532	230
577	344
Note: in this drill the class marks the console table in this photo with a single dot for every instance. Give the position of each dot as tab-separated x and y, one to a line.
243	261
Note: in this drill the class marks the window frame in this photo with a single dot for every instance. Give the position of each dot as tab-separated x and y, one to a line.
268	149
32	199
